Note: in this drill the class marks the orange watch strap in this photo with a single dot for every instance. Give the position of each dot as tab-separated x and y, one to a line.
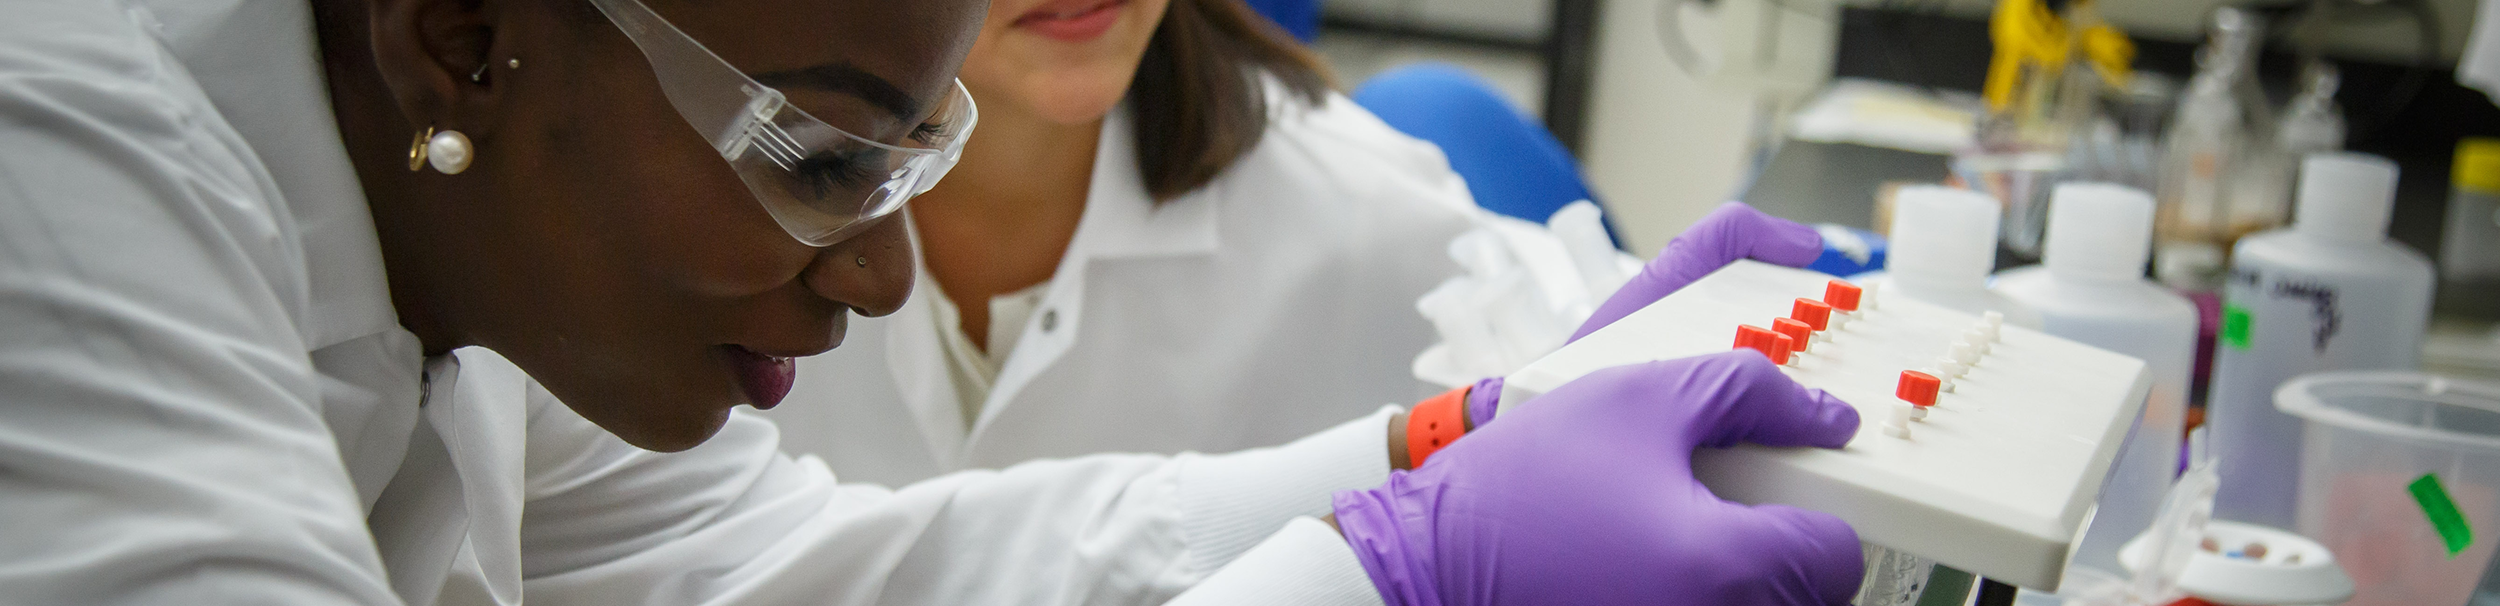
1434	423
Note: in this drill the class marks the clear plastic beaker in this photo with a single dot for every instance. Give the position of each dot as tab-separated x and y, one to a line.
2400	478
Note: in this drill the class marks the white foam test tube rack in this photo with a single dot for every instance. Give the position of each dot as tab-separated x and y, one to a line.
1997	479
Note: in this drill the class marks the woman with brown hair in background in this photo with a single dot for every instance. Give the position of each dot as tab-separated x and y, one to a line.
1170	235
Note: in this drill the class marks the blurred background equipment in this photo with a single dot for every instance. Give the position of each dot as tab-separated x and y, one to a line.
1823	111
1512	165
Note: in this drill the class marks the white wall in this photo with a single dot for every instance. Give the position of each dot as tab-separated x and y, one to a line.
1664	147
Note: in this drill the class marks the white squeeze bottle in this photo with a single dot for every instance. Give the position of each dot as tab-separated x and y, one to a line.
2091	289
2331	292
1944	240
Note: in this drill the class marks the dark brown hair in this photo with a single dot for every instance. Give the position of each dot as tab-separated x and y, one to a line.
1198	99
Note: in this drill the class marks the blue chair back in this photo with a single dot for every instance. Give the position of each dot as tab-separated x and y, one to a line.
1299	17
1512	164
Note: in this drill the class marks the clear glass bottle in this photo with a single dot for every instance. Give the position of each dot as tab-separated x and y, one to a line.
2261	197
2220	116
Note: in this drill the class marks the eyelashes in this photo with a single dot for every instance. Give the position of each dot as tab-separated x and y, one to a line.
833	171
929	133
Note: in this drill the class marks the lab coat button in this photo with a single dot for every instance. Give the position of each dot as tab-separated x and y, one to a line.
1050	319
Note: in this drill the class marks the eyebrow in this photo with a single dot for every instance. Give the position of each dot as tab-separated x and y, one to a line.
844	78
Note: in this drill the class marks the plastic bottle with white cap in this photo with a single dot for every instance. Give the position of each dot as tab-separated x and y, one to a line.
2331	292
2092	288
1944	241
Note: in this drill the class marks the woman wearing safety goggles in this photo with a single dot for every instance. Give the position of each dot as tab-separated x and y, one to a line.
453	301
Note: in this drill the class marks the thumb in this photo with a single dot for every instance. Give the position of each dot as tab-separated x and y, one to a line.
1777	240
1734	231
1797	556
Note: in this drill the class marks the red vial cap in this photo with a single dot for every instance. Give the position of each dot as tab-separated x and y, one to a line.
1758	339
1918	388
1842	295
1813	313
1781	347
1793	329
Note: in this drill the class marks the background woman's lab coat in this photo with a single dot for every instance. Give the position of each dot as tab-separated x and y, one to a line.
1276	301
205	397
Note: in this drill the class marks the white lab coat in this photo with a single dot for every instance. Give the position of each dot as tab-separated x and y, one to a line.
1275	301
205	398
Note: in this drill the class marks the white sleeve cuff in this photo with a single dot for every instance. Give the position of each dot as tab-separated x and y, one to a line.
1230	502
1307	563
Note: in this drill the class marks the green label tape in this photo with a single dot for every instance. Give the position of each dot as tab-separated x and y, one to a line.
2235	327
2442	513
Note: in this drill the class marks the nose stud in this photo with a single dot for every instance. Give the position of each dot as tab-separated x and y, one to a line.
862	260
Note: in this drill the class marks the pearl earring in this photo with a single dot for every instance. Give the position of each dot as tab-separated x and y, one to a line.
449	152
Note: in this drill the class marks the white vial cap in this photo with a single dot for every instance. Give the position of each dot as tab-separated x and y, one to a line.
1965	354
2099	231
1943	237
2346	196
1977	340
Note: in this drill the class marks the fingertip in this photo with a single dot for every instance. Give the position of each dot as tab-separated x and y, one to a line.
1787	414
1838	419
1788	242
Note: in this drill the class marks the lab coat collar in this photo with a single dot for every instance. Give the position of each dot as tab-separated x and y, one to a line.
283	111
450	521
1122	221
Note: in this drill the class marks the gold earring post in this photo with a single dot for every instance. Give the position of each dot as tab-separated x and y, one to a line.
416	151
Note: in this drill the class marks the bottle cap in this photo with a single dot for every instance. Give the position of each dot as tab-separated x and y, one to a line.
2345	196
2477	166
2099	230
1943	237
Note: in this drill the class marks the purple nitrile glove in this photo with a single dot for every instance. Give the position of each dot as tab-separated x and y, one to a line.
1483	400
1734	231
1586	496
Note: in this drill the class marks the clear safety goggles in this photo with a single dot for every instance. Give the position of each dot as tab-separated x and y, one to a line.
821	183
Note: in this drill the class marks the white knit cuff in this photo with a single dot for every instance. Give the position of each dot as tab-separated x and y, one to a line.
1229	502
1307	563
